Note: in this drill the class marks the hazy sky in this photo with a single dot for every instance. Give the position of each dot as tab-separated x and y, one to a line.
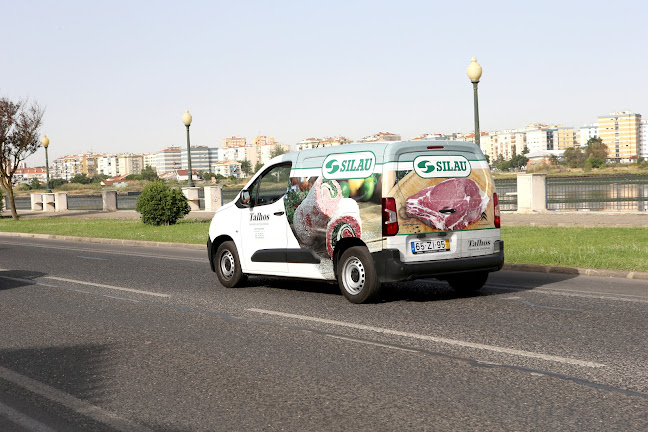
116	76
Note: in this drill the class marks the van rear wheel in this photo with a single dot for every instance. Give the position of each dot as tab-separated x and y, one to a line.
357	276
468	282
228	265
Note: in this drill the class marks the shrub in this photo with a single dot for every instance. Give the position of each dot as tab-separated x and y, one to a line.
160	204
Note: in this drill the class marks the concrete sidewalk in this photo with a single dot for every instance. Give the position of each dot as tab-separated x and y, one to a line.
551	218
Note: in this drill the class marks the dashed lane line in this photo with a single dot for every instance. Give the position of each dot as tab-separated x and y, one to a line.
77	405
73	281
23	420
447	341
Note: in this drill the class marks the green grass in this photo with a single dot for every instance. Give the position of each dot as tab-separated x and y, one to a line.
185	231
602	248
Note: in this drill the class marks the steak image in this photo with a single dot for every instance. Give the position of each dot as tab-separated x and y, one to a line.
450	205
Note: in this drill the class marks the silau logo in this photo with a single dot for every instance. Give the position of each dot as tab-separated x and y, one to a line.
441	166
349	165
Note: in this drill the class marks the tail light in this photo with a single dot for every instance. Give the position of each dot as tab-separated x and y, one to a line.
497	211
389	217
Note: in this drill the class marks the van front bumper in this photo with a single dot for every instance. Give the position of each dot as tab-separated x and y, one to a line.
390	268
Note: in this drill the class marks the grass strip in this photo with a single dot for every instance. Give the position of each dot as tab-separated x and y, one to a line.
185	231
600	248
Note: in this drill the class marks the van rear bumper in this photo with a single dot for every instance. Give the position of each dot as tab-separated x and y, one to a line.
390	268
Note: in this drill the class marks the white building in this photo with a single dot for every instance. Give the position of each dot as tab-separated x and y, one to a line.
227	168
150	160
539	140
643	139
107	165
200	158
248	153
587	132
168	160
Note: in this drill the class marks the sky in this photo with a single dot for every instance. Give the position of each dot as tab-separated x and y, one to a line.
116	76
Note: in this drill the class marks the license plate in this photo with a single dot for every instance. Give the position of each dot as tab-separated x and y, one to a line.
425	246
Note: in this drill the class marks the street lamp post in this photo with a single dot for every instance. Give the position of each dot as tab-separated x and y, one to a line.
474	73
186	119
45	142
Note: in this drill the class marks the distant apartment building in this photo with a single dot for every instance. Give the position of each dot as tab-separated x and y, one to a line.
508	143
107	165
168	160
234	141
620	132
67	167
381	136
565	137
643	134
310	143
26	175
200	158
539	140
265	152
150	159
587	132
227	168
129	164
248	153
438	137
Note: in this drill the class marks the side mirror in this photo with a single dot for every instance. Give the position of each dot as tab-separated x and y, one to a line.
245	197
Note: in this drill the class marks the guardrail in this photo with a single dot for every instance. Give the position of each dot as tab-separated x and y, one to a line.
595	193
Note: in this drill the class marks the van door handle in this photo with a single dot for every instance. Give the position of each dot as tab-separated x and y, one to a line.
278	213
447	210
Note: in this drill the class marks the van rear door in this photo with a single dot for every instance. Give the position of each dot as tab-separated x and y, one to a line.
442	189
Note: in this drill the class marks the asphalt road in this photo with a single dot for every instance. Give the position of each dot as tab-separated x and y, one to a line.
102	337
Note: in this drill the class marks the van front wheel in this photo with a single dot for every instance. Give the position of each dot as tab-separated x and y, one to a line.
357	276
228	265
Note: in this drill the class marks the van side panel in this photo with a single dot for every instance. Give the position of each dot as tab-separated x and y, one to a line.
332	197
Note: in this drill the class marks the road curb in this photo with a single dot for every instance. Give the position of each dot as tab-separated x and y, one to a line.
536	268
107	241
576	271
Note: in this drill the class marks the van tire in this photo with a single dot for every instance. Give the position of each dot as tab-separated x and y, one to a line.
357	275
228	265
468	282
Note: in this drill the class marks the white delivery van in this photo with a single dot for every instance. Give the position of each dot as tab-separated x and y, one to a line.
363	214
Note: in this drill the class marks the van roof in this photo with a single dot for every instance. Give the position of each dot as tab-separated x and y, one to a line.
389	150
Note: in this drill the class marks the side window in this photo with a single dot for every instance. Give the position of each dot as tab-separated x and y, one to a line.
271	186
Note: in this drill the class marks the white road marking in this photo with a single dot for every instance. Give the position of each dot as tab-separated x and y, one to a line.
106	286
371	343
92	258
572	293
80	406
36	282
453	342
142	255
23	420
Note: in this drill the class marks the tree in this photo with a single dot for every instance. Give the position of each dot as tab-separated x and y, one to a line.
160	204
518	161
54	183
20	124
81	178
574	157
133	177
258	166
277	150
149	173
34	184
246	167
596	148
